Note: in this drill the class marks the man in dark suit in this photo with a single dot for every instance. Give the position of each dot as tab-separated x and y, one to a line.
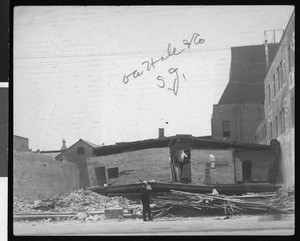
145	201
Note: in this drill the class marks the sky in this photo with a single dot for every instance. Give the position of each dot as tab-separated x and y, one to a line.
82	71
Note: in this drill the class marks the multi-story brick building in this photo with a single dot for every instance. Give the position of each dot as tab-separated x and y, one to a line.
240	109
279	103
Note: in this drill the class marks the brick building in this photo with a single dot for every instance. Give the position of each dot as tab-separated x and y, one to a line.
181	158
21	144
77	153
279	104
240	109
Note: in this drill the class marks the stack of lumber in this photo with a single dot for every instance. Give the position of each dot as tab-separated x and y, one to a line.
194	203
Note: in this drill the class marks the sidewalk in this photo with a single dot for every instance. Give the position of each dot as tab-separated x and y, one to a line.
248	225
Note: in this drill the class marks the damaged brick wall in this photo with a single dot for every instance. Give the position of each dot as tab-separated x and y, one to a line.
223	173
147	164
261	161
37	176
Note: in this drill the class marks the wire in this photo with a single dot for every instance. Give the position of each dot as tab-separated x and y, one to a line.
104	16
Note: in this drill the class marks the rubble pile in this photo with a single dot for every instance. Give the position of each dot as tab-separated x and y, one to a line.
86	200
21	206
283	200
81	200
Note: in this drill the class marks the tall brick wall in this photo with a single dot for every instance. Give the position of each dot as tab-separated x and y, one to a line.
223	173
148	164
244	119
261	161
80	160
287	157
37	176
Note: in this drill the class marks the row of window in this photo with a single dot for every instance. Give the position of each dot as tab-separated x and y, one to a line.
281	123
280	78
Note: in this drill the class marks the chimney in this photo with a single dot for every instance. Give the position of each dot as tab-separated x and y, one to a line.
161	133
266	52
64	147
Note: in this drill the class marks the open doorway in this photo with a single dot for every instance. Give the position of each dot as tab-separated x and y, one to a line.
181	166
100	175
246	169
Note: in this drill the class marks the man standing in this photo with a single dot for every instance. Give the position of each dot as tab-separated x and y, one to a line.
145	201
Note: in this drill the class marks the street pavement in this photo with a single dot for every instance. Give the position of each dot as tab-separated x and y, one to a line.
236	225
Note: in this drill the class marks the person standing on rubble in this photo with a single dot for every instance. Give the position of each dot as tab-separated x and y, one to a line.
146	201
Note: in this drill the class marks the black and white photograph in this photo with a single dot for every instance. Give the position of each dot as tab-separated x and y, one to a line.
155	120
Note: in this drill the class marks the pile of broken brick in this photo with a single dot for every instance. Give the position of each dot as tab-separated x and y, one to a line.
81	200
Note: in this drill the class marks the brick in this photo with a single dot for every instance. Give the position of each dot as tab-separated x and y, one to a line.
37	176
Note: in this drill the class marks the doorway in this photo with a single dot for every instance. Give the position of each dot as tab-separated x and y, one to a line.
100	175
247	168
181	165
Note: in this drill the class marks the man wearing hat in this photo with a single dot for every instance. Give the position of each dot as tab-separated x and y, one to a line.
145	201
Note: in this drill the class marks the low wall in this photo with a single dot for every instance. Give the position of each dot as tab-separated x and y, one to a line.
37	176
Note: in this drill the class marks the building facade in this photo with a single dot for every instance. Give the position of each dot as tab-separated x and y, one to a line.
183	159
240	109
279	103
236	122
77	153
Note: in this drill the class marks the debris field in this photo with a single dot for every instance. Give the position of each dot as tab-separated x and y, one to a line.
173	203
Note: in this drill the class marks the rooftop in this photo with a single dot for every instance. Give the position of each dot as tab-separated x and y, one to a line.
176	141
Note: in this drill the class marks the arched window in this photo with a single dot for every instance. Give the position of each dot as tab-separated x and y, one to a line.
80	150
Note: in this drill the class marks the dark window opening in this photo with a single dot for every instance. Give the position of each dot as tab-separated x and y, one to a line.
113	172
80	150
226	128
